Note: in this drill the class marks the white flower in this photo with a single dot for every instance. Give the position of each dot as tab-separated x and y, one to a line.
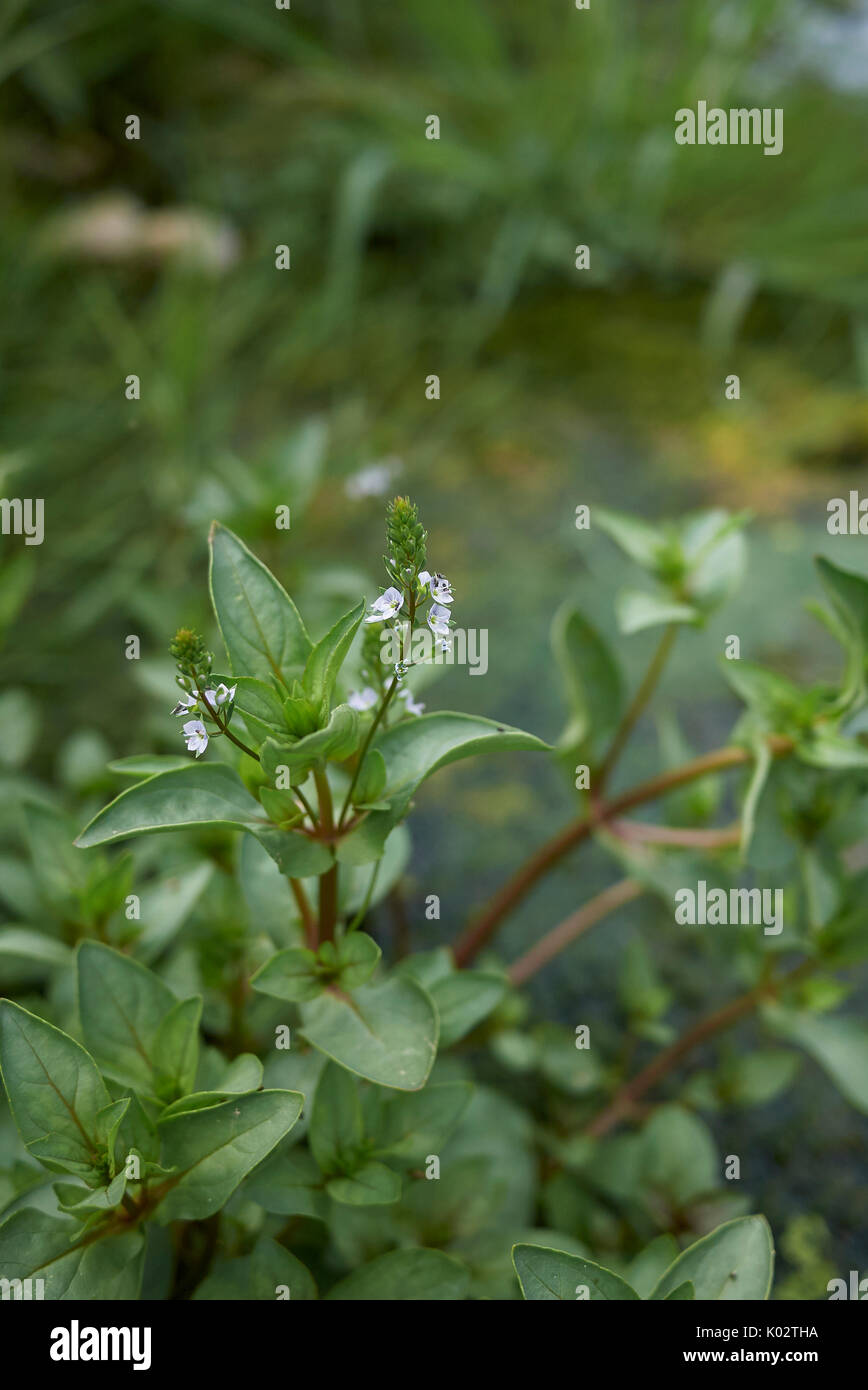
438	620
221	696
362	699
196	735
413	706
438	587
185	704
372	480
386	606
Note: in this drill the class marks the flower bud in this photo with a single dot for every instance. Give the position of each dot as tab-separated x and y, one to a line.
406	537
190	652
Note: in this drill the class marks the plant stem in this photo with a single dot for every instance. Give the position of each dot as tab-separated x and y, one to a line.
305	910
637	705
519	885
378	717
328	882
305	803
375	724
573	927
224	728
639	832
362	912
625	1099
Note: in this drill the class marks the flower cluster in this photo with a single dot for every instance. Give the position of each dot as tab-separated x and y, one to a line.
413	586
194	663
194	731
439	590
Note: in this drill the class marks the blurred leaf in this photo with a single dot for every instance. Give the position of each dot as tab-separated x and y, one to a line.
416	1124
839	1044
639	987
268	1269
637	538
636	610
405	1275
336	1133
19	727
592	677
372	1185
680	1155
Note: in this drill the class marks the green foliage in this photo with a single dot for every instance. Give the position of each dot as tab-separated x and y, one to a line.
240	1050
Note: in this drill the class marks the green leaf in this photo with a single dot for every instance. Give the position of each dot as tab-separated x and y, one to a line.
37	1245
166	906
736	1261
175	1056
594	686
419	1123
547	1275
684	1291
368	841
261	629
386	1032
261	708
824	748
327	657
463	1000
292	975
268	1272
121	1005
80	1201
415	748
636	610
414	1275
372	1185
774	698
839	1044
357	958
715	554
648	1267
294	854
337	741
755	1078
55	1091
639	987
371	781
679	1156
215	1148
849	595
289	1184
148	764
34	946
336	1134
200	794
281	807
640	540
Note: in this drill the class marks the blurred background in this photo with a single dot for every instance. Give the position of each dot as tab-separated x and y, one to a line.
306	387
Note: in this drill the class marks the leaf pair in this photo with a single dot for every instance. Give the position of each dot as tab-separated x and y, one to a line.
696	563
734	1262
